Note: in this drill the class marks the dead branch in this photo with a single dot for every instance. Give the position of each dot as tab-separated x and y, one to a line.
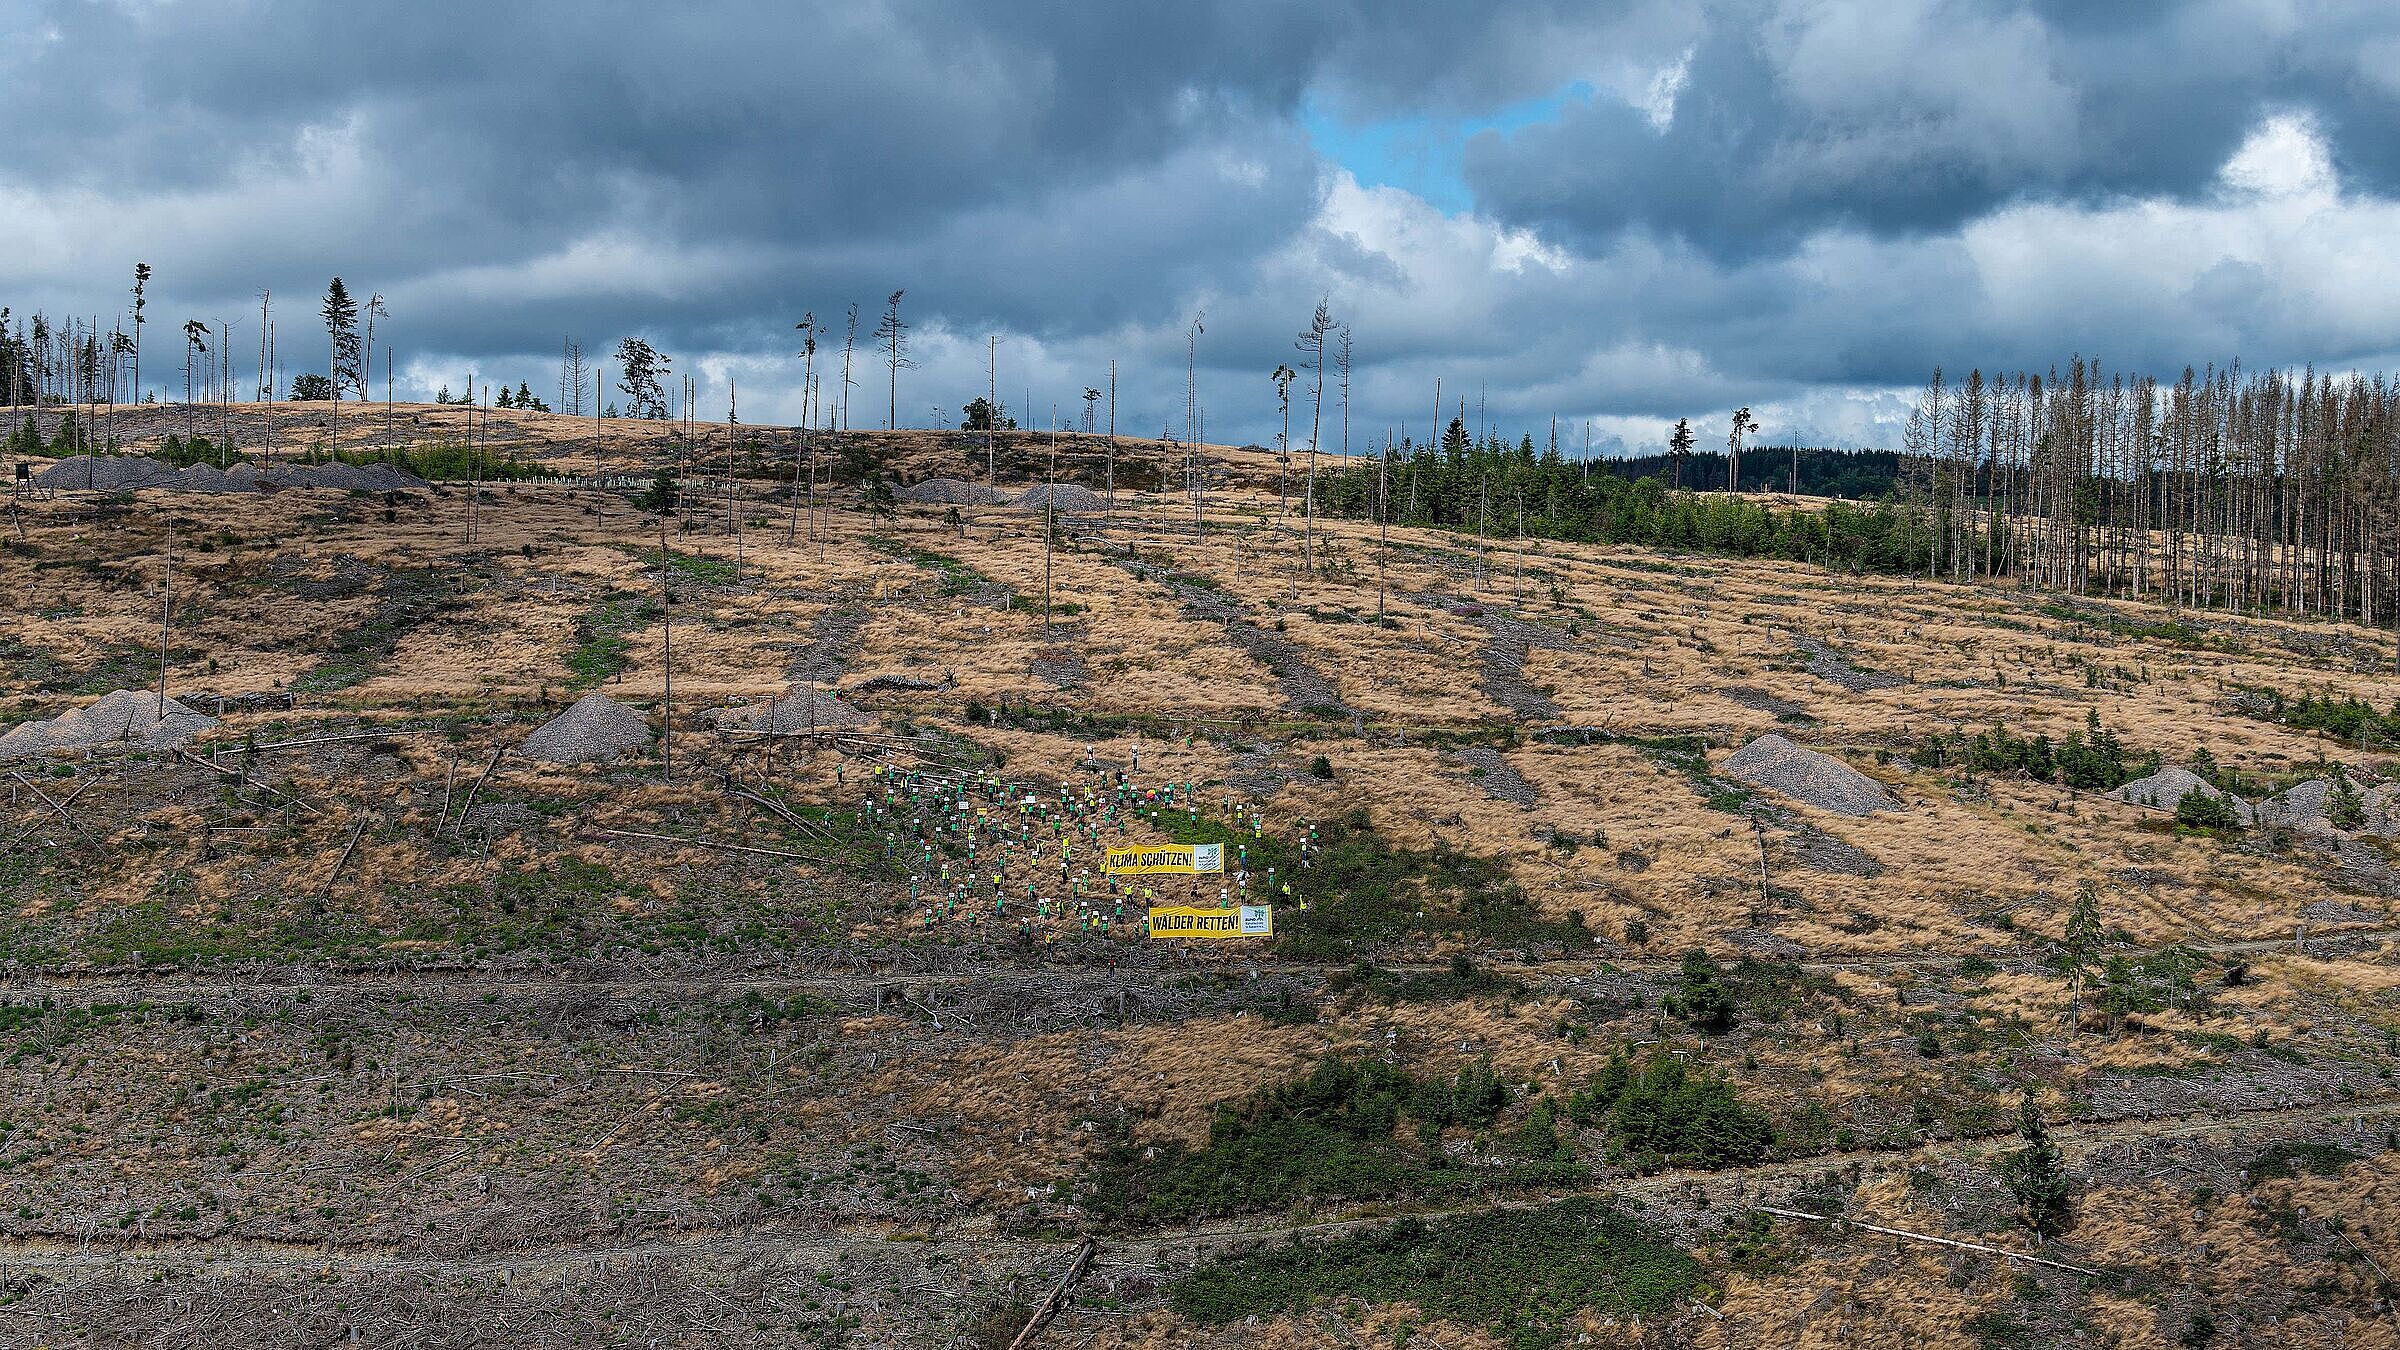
336	740
247	779
1057	1300
1839	1222
477	785
53	804
342	861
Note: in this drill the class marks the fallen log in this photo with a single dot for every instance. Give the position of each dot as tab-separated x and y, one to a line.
1057	1301
1840	1222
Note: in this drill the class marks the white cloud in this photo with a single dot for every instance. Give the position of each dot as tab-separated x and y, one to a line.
2280	262
1657	99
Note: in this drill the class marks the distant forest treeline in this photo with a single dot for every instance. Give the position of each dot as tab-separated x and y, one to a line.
1853	474
2219	489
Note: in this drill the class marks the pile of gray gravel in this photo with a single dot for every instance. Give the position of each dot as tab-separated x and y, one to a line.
951	491
1819	780
2301	806
800	710
2167	788
595	728
1070	499
107	473
2305	807
128	715
120	473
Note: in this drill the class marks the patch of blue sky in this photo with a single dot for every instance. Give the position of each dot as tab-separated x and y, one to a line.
1423	154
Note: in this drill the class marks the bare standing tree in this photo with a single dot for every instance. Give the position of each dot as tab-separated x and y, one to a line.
120	346
733	512
666	615
1191	418
225	374
1383	520
1341	366
808	356
571	369
141	283
195	342
366	365
1283	375
849	340
892	335
1313	342
991	405
1743	425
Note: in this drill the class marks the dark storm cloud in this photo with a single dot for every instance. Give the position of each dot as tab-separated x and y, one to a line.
1709	204
1920	115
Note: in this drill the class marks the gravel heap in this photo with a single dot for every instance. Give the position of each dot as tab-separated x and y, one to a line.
952	491
114	473
800	710
2303	807
1819	780
2167	788
2299	807
596	728
126	715
2383	811
2335	912
108	473
1072	499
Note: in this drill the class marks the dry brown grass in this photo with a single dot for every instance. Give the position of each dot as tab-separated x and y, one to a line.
705	1117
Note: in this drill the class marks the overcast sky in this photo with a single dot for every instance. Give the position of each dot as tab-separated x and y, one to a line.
1614	214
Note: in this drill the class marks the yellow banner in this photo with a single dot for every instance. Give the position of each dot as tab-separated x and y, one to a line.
1167	858
1191	921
